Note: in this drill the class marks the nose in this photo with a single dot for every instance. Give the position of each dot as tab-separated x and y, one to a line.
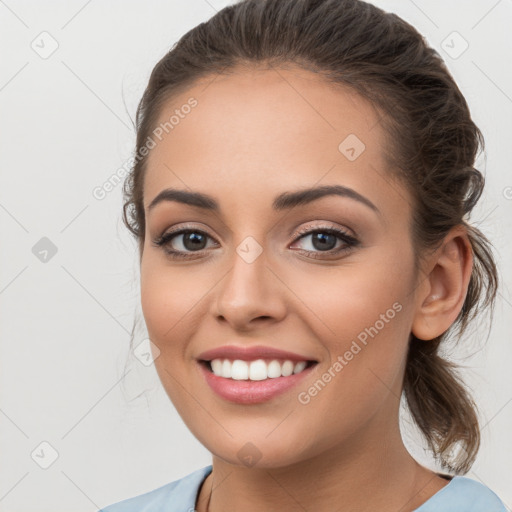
250	294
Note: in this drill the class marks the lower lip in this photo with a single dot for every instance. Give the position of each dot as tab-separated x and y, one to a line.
252	391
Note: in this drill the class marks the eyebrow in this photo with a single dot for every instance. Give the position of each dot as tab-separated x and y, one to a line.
284	201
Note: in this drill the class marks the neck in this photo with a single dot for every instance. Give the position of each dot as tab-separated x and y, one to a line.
367	472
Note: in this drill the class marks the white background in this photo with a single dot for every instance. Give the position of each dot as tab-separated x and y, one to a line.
65	324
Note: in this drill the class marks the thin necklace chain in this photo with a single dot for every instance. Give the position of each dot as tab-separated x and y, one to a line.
209	497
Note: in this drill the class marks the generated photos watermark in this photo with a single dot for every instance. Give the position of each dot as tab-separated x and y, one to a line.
304	397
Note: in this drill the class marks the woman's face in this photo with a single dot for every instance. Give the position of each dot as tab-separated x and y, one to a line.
246	277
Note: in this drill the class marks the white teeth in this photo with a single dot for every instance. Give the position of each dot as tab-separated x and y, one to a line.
255	370
239	370
217	366
226	368
287	368
258	370
299	367
274	369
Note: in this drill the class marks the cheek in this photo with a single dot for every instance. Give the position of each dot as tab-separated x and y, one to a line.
363	373
361	314
169	297
344	301
171	306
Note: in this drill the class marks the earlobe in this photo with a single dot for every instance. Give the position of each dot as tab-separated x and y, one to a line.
443	292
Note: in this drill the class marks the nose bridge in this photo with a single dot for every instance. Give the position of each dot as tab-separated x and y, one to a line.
250	289
246	281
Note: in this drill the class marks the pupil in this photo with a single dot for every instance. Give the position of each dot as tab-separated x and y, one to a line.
320	239
196	239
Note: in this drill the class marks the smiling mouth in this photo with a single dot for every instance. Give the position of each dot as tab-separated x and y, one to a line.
255	370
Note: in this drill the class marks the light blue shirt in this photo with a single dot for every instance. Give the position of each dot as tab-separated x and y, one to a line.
461	494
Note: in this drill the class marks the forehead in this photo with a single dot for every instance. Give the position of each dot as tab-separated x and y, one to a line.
262	131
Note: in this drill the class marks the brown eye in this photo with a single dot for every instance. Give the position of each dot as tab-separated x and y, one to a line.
325	239
179	243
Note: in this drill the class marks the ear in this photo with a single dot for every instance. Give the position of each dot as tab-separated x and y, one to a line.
442	293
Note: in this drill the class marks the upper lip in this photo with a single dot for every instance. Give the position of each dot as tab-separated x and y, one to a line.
250	353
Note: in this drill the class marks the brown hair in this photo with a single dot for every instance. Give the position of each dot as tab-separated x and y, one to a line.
433	143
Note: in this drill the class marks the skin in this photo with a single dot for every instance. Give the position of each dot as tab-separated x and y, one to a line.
253	135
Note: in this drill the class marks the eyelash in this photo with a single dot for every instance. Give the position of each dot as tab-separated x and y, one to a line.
351	242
